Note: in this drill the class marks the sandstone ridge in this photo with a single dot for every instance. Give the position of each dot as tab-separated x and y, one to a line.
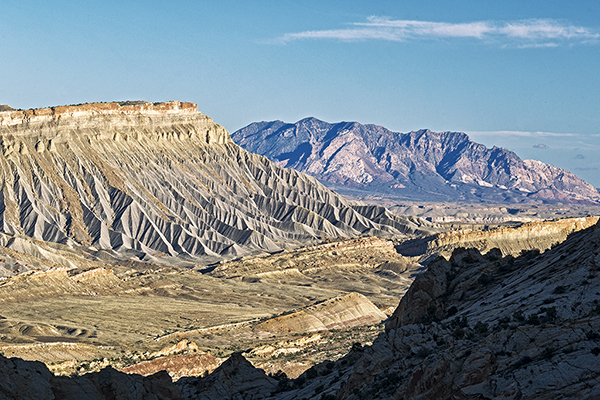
528	236
342	312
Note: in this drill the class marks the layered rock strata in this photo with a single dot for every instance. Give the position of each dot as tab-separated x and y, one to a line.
529	236
342	312
154	180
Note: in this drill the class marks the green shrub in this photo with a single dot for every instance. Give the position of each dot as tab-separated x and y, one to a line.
550	316
533	319
356	346
523	361
548	353
518	316
423	352
559	290
311	373
327	396
453	310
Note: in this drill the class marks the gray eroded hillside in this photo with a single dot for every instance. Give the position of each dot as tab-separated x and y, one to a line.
367	160
157	180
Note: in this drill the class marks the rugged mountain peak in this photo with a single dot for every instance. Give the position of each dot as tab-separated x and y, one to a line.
366	160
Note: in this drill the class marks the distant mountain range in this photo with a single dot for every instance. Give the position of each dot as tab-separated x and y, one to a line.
370	160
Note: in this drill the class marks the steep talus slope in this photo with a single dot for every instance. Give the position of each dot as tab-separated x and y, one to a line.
422	165
485	327
151	180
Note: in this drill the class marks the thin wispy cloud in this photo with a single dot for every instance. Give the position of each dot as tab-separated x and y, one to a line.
524	33
541	146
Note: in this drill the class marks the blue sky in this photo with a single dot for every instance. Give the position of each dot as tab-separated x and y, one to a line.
518	74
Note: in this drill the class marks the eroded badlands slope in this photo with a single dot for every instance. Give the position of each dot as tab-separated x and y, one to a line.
153	180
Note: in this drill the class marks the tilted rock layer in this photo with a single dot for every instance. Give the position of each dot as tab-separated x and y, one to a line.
421	165
342	312
529	236
154	180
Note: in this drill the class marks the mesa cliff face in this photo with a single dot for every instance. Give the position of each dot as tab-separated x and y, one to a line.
422	165
154	180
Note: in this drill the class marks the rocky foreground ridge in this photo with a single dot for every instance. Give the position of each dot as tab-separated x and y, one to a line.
367	160
157	181
471	327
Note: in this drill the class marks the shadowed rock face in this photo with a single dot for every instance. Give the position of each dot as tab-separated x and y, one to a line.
425	165
479	327
513	241
515	328
151	180
31	380
236	378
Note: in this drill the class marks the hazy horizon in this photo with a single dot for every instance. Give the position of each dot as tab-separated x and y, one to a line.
517	75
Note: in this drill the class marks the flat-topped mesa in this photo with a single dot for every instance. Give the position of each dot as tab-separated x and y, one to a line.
9	116
115	121
153	181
